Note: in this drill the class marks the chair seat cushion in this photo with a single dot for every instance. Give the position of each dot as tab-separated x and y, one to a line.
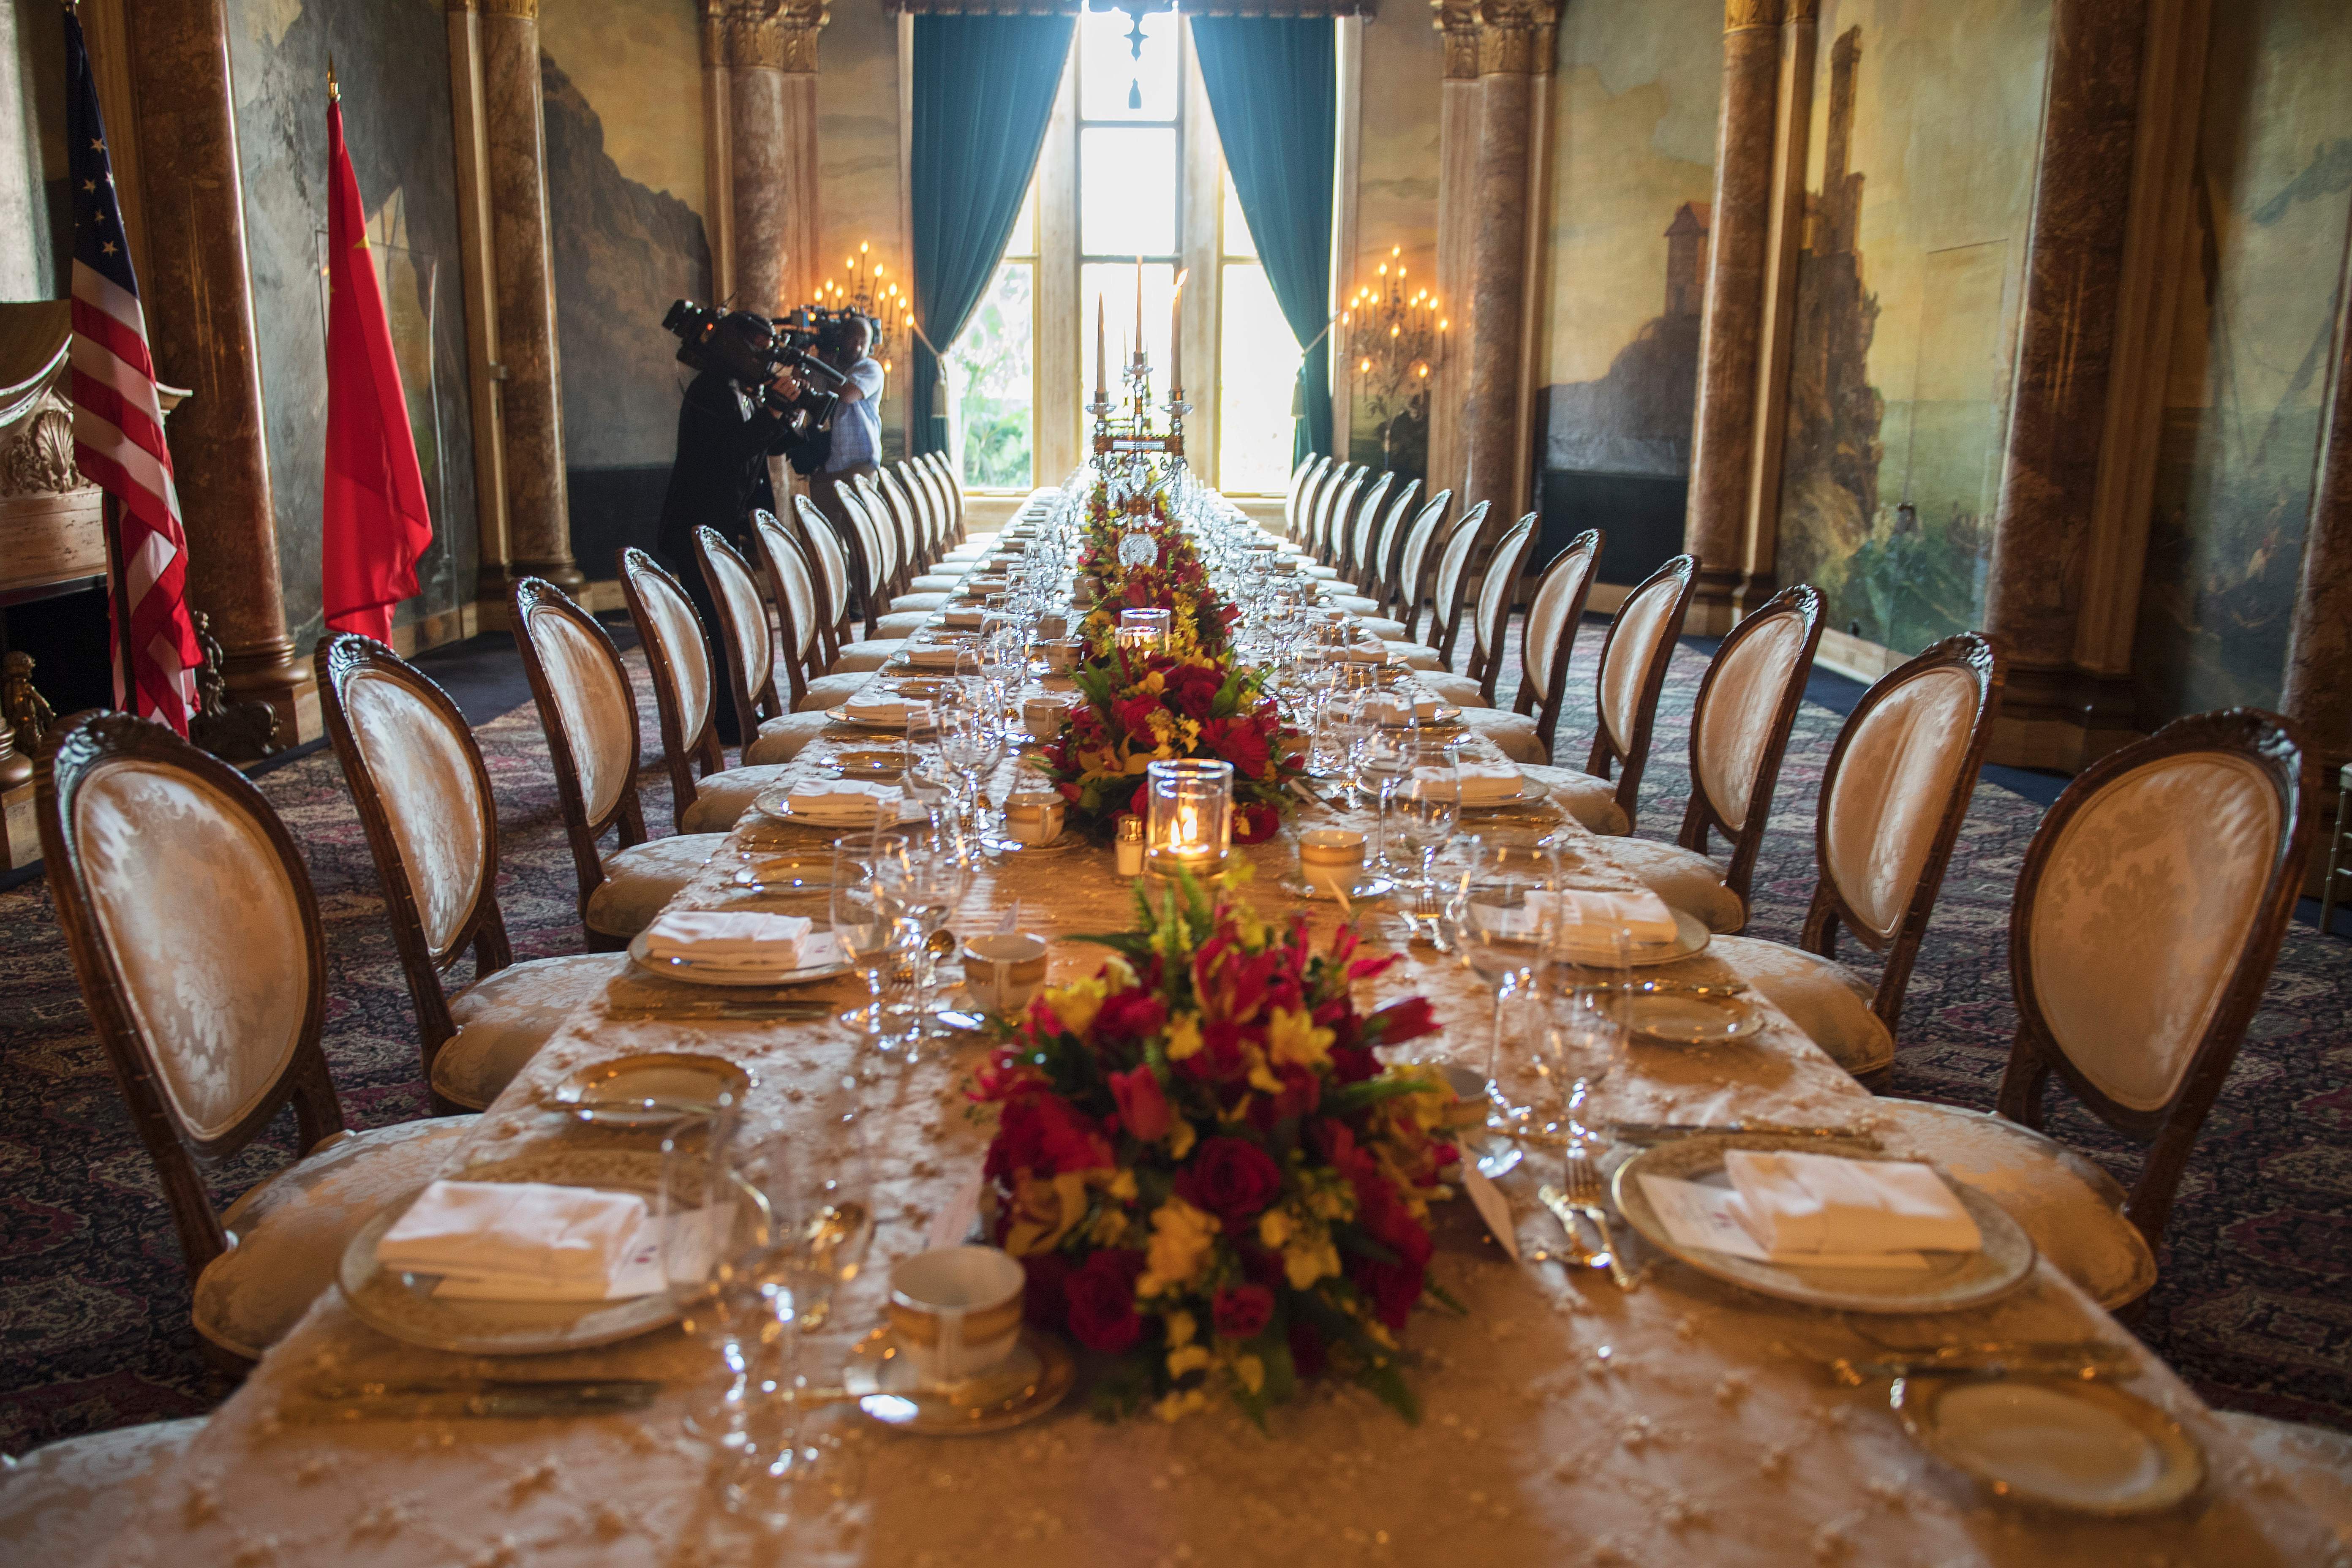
291	1230
1822	997
2312	1462
61	1503
2072	1208
1381	627
902	624
1591	800
944	582
640	880
1354	604
782	739
722	798
1513	734
924	599
504	1018
1458	690
1320	573
1684	879
1420	655
870	655
833	690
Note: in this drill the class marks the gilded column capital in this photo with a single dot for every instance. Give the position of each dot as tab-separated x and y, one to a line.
1805	10
1458	21
780	35
520	10
1515	36
1740	15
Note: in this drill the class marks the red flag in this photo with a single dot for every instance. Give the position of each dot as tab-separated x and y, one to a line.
376	520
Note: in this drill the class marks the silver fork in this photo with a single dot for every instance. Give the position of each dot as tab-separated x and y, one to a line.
1581	1190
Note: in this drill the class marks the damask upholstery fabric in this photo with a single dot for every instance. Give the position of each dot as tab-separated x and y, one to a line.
290	1231
593	705
752	646
1546	615
1892	789
867	655
2141	912
782	739
424	774
799	588
641	878
2073	1209
1515	733
2313	1462
1686	879
218	1001
1591	800
1641	623
832	690
722	797
1822	997
503	1018
904	624
1751	680
683	647
61	1503
1458	690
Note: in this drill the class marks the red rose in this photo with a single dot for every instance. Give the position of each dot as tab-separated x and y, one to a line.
1241	742
1256	822
1044	1300
1395	1287
1353	1064
1231	1178
1400	1021
1192	691
1219	1056
1045	1135
1142	1104
1134	713
1242	1310
1133	1015
1102	1301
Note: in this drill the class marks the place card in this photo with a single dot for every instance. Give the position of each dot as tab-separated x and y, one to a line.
952	1225
1492	1207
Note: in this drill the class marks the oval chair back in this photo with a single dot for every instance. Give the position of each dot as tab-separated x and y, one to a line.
1892	801
1497	591
194	935
890	532
867	565
590	715
1319	496
677	656
1548	642
1739	727
1388	541
1633	659
749	652
1452	586
425	803
1298	506
1339	511
821	542
1357	546
792	588
1413	559
2147	919
1298	476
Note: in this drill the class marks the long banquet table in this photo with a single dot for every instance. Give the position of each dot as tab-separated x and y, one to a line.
1563	1422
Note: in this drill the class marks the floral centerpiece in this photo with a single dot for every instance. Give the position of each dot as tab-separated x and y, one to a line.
1174	579
1137	710
1205	1170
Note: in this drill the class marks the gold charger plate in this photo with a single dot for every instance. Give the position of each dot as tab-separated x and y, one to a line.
2080	1445
650	1087
403	1305
1950	1281
1033	1379
1692	1018
872	763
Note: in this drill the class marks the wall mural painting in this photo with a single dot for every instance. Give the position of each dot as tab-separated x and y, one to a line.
1906	312
858	173
393	59
2248	384
1396	206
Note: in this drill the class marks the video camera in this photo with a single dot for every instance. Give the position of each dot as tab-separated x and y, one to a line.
752	350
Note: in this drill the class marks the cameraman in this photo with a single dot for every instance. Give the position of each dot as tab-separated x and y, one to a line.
726	434
856	424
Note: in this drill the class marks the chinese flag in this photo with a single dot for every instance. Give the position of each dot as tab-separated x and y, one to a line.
377	522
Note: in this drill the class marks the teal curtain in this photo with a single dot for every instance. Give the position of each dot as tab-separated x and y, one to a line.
1274	91
984	89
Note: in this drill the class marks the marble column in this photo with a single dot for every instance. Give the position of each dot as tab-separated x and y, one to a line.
1723	429
2318	695
199	306
1457	228
539	518
768	51
1513	34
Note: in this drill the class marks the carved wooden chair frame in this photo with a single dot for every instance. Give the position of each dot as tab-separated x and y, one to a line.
84	744
1356	547
1981	659
1413	565
861	538
950	491
1582	557
1298	476
801	645
1378	582
1450	589
532	598
340	659
1298	512
2170	1130
686	757
753	692
830	567
1702	815
1630	754
1504	569
1318	518
894	535
906	522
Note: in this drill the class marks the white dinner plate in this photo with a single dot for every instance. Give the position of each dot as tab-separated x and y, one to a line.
1691	937
776	802
822	951
1686	1018
1951	1280
2085	1446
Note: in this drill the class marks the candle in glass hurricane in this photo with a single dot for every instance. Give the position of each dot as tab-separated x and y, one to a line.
1144	631
1190	823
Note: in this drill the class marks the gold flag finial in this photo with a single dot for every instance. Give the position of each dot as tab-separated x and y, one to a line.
334	93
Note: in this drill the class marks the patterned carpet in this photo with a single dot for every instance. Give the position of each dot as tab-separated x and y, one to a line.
2255	1307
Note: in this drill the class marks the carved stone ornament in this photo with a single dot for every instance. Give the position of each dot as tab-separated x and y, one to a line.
234	731
1740	14
1458	21
780	35
1515	36
39	460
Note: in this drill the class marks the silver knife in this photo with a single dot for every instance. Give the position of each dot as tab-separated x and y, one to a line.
523	1400
2087	1359
1666	1131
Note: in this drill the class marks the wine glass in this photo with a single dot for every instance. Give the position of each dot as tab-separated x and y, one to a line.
872	931
964	745
709	1272
1420	821
929	887
1498	922
1588	1024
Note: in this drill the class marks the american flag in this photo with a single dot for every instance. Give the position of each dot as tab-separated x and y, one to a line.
118	425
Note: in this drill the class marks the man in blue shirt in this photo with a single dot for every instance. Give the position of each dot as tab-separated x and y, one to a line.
856	424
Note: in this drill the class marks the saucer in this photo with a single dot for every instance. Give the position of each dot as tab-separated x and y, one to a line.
1031	1382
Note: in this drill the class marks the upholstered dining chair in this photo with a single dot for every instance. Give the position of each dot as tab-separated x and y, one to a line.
62	1503
1739	731
2148	916
706	794
431	818
1354	545
1892	801
1315	519
830	556
194	936
1490	615
1547	641
1377	587
950	489
1449	591
869	554
1299	475
590	715
1414	560
777	735
1634	654
793	589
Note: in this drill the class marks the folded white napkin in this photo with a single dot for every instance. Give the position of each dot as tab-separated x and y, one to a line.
1642	912
1797	1204
885	710
1365	653
1398	711
724	936
932	656
1483	783
551	1238
957	615
849	803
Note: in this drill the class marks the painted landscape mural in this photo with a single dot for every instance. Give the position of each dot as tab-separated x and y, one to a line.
1917	210
1396	206
1634	127
2248	376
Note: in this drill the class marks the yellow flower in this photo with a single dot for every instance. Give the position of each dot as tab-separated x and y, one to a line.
1181	1139
1110	1228
1077	1003
1304	1261
1181	1327
1180	1403
1043	1212
1181	1238
1183	1035
1122	1186
1293	1039
1119	974
1187	1358
1249	1372
1274	1227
